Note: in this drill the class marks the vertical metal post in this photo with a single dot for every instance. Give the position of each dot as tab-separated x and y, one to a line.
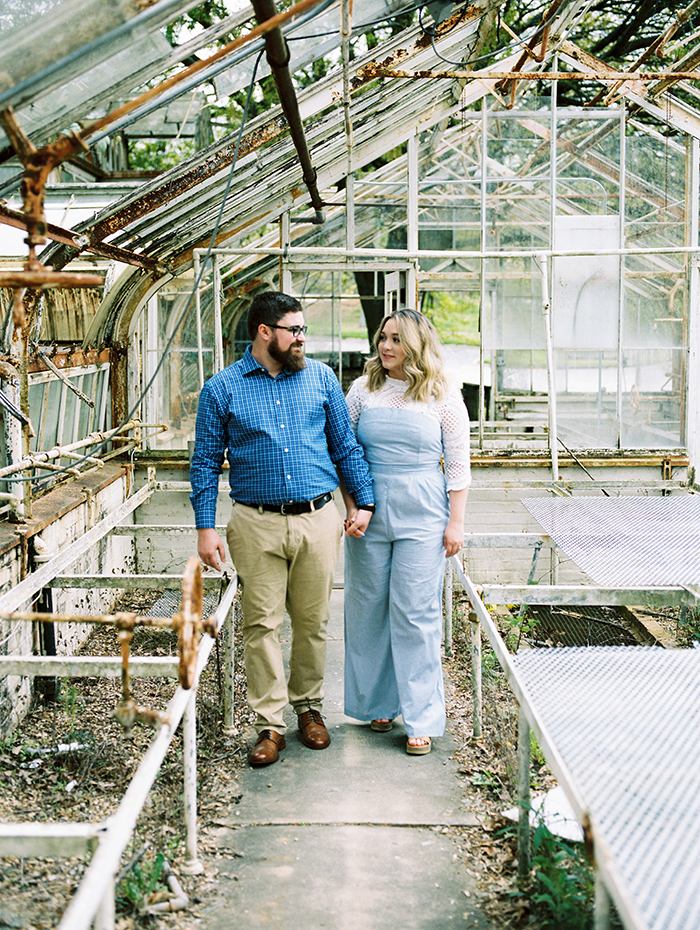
151	360
412	200
189	732
476	674
622	266
218	325
602	905
229	675
350	212
551	368
285	239
447	627
524	804
198	310
546	304
693	351
104	917
483	288
346	33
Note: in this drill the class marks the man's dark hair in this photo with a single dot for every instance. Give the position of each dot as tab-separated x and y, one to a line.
270	307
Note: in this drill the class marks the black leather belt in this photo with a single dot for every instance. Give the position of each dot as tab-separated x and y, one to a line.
291	507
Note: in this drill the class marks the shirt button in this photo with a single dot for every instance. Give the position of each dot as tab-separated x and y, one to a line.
281	425
277	402
286	450
289	477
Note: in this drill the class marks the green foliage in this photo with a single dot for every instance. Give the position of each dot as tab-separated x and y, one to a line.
160	154
456	318
562	890
202	16
485	780
689	626
139	882
490	666
536	754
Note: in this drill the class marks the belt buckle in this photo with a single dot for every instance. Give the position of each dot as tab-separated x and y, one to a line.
282	510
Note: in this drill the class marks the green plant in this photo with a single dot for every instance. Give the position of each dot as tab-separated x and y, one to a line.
69	696
485	780
562	888
139	882
536	754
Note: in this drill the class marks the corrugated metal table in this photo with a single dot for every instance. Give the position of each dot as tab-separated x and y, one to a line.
626	722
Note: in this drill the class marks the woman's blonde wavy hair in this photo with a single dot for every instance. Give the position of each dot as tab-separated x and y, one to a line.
423	366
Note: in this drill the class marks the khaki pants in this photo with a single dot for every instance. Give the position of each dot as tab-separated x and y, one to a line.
284	561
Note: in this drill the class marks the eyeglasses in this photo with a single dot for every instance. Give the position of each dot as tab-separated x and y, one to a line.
294	330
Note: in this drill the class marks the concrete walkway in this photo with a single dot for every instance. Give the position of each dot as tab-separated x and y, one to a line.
348	838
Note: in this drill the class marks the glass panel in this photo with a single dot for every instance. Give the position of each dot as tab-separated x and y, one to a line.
86	414
103	410
588	178
37	414
52	417
175	391
652	398
586	384
655	190
69	433
334	313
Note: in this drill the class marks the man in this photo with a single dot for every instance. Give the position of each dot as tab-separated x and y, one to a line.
283	422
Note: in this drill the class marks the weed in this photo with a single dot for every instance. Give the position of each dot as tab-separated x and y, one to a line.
69	696
139	882
485	780
536	754
562	886
689	626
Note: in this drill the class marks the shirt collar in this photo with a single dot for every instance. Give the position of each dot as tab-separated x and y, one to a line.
249	365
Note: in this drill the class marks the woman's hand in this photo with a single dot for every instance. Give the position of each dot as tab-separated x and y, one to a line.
453	539
357	521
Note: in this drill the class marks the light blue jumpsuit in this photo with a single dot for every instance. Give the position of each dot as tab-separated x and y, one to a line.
394	575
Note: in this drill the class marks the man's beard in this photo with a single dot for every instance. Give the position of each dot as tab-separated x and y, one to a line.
294	361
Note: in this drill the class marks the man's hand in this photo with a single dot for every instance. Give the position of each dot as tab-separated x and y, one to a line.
211	550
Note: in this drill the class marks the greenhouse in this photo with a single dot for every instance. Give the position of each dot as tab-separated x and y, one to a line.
529	179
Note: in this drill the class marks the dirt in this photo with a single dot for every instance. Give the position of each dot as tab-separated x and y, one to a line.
87	782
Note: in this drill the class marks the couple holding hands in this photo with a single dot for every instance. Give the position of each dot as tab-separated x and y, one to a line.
399	447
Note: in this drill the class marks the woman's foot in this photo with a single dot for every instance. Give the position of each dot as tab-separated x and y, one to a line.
418	745
382	725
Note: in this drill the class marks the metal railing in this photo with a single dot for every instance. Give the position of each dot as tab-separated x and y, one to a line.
613	725
94	898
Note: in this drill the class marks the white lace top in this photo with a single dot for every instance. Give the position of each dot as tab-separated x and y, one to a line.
450	413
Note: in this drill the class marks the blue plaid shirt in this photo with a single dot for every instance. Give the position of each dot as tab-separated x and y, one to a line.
283	437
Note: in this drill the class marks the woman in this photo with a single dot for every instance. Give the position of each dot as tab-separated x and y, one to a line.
408	421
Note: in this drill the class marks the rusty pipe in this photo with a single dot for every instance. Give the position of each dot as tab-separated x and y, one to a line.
277	52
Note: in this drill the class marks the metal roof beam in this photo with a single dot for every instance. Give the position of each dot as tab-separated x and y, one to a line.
82	243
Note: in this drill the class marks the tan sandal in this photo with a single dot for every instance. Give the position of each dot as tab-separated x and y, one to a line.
381	726
421	750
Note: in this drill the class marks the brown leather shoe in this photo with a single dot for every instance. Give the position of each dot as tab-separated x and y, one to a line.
267	749
312	730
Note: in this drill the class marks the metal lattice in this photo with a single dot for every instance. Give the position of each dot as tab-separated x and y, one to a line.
626	541
626	722
577	626
169	603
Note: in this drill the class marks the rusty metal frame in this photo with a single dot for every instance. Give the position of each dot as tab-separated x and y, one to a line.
188	622
82	242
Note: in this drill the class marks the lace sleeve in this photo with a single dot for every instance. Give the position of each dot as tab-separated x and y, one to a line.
454	421
355	397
